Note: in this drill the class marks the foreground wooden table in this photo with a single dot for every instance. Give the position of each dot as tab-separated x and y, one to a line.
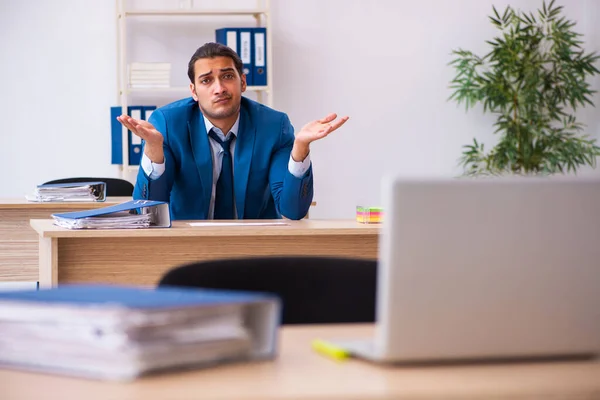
142	256
300	374
19	243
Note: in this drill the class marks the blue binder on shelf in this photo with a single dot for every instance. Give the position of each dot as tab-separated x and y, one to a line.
245	52
228	37
135	143
259	56
124	332
128	215
242	44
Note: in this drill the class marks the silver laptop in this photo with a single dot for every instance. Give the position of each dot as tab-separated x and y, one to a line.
487	269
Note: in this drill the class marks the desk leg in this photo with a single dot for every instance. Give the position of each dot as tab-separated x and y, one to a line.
48	262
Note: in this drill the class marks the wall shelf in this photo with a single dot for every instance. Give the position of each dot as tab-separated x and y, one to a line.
258	16
183	12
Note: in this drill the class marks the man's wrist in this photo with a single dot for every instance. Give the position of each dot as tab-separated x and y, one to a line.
300	151
157	156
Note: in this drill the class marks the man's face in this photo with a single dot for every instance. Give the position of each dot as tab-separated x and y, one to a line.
217	87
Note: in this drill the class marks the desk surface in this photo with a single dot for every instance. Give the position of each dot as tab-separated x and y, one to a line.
143	256
18	203
310	227
299	373
19	243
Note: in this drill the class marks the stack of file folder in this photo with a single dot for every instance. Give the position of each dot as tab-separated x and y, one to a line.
80	191
121	332
132	214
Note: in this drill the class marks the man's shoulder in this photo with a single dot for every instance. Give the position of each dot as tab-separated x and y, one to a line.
180	106
259	112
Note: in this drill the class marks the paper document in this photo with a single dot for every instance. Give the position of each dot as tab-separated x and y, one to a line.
219	223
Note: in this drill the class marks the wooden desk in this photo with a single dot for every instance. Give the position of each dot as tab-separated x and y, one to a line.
142	256
19	243
300	374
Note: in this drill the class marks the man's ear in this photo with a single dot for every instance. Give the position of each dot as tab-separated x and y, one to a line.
193	90
243	77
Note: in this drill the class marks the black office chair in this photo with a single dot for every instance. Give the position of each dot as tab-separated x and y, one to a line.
114	186
313	290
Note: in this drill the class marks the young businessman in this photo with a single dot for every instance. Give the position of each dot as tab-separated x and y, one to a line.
220	155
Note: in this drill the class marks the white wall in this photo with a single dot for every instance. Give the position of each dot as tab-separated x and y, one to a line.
58	80
383	62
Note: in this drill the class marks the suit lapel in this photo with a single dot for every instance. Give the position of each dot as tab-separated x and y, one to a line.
202	156
244	149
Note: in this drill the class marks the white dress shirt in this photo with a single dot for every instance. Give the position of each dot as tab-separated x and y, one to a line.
154	170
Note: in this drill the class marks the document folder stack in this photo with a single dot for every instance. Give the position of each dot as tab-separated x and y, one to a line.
149	75
120	332
80	191
129	215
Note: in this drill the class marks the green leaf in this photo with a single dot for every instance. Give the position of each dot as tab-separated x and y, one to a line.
544	7
496	22
496	12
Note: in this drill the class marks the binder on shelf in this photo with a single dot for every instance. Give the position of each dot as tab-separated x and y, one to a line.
228	37
134	141
72	191
114	332
245	52
134	214
240	40
259	56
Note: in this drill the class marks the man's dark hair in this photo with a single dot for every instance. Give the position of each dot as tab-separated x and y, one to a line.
212	50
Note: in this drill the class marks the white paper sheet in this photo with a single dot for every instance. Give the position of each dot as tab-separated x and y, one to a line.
219	223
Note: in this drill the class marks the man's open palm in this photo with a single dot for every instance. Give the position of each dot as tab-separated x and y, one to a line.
143	129
319	129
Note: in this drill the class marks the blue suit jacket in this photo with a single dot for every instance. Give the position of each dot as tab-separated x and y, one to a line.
264	187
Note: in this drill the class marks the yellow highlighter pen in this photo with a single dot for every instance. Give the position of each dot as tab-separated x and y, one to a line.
329	350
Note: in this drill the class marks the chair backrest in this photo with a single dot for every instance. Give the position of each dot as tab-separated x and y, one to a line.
114	186
312	289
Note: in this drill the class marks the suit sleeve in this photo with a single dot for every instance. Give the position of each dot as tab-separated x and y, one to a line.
160	188
292	195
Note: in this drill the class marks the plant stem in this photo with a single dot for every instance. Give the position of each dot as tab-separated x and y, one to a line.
519	138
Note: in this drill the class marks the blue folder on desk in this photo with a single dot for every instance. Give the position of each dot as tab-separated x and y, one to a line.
128	215
122	332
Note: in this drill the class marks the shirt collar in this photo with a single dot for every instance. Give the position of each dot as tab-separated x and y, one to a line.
233	130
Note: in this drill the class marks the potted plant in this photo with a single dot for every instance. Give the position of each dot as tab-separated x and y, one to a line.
533	79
